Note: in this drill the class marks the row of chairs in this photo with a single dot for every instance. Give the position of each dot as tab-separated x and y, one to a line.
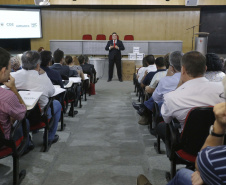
37	121
103	37
181	148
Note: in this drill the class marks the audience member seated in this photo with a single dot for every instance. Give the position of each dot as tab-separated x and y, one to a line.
211	161
33	78
150	62
46	58
194	90
170	81
87	64
64	70
214	68
147	77
41	49
165	85
15	64
166	60
12	106
224	66
76	62
72	66
140	70
160	73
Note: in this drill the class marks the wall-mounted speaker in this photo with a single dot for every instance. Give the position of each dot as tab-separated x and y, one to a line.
42	2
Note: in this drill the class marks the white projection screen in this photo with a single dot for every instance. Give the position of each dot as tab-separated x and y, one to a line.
20	23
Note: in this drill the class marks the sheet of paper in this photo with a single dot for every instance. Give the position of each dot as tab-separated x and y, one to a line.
58	90
75	79
69	84
86	76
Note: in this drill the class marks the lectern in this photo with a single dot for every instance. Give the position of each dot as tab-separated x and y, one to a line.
201	41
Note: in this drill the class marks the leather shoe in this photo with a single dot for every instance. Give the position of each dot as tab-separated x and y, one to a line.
96	80
142	180
56	138
141	111
29	148
120	80
136	106
109	80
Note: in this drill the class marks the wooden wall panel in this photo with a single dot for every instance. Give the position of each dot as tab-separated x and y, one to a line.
119	2
16	2
176	24
211	2
56	24
153	24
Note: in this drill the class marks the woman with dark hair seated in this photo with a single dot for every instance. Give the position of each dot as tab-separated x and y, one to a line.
214	68
69	61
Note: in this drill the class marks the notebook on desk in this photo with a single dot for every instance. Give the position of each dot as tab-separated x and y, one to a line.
30	98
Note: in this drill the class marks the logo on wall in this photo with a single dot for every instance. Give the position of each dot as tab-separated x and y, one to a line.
1	24
9	24
34	25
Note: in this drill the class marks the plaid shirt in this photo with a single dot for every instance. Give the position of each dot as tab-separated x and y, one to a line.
9	107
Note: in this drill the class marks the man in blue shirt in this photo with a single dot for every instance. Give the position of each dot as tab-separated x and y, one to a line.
166	84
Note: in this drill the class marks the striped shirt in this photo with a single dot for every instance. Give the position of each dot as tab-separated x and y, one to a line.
212	165
9	107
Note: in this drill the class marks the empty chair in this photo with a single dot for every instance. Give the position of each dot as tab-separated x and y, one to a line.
39	120
182	148
87	37
101	37
128	37
110	37
15	149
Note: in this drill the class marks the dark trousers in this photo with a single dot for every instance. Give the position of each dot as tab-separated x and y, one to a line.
117	62
161	130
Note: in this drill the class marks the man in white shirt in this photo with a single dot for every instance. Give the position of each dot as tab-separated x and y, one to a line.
151	67
194	91
33	78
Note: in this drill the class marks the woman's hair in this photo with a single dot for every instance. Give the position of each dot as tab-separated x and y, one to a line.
166	60
75	60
